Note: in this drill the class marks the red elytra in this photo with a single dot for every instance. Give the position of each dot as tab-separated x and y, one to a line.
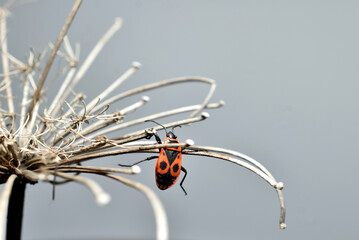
169	162
168	165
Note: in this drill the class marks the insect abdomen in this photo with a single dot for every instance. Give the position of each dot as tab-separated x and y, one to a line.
168	168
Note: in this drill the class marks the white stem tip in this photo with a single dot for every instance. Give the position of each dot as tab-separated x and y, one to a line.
222	102
103	199
136	169
118	21
145	98
205	115
136	65
279	185
189	142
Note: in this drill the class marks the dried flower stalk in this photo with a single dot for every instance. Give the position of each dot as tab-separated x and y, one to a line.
49	144
4	203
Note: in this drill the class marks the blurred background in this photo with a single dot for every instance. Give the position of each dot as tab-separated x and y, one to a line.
288	72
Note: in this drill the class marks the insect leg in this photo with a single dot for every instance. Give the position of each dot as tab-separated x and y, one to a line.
147	159
185	174
158	139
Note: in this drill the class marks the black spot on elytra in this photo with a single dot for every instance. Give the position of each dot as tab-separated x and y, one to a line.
163	153
163	165
175	168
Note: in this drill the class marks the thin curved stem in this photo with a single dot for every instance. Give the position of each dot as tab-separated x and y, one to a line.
269	178
236	154
135	66
102	197
203	116
90	169
162	84
149	117
87	157
247	162
118	141
282	224
158	209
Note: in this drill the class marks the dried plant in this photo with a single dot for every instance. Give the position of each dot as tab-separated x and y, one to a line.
52	145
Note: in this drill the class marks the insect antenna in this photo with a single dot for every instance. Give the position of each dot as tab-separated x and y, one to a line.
175	127
158	124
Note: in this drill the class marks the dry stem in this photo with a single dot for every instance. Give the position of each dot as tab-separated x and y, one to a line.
58	43
158	209
4	202
101	196
66	89
5	61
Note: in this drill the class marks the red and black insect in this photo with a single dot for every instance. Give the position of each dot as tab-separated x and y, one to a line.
169	163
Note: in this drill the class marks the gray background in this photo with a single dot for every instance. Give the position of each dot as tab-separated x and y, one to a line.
288	71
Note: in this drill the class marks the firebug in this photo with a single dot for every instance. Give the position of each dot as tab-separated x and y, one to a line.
169	161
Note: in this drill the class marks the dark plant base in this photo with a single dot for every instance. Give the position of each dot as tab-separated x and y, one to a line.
15	210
